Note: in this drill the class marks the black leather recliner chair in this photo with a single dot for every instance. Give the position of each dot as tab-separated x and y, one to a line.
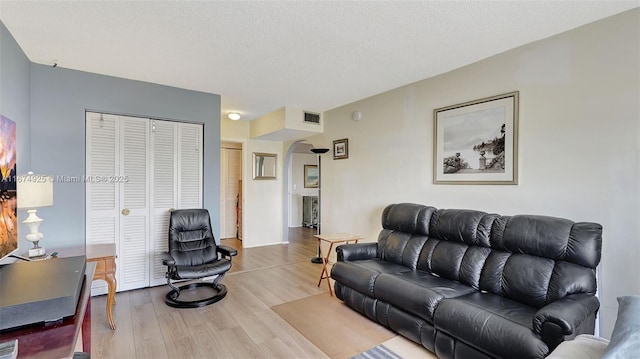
193	254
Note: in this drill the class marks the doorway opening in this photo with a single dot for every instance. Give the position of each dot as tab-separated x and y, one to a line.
298	156
231	190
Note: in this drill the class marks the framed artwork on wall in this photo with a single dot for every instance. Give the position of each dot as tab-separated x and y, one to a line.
476	142
8	188
311	176
341	149
264	166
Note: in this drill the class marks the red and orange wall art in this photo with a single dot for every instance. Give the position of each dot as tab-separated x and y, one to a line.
8	185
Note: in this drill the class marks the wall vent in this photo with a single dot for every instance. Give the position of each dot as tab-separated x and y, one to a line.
310	117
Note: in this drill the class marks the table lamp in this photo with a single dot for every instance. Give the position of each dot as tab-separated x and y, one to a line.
34	191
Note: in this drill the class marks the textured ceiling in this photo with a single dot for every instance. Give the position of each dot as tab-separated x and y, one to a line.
264	55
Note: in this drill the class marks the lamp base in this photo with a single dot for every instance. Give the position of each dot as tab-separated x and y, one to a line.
36	252
316	260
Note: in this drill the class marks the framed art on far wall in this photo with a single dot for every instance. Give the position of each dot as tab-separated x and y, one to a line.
341	149
311	176
476	142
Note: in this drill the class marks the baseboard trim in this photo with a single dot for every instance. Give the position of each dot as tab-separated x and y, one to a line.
264	244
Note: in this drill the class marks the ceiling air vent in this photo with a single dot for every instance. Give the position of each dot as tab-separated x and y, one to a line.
310	117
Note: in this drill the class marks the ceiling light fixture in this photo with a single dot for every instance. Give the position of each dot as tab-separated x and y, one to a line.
234	116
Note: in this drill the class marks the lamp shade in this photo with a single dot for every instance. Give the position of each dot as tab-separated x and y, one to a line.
319	151
34	191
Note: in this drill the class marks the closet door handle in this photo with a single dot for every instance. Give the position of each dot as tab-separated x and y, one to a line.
126	212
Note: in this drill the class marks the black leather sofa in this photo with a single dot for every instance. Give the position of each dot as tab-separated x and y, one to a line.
468	284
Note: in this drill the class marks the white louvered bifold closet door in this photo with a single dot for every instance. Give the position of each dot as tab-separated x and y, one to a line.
102	200
164	194
190	165
176	184
161	162
133	256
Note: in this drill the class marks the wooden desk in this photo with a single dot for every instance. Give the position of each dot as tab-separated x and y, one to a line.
333	238
58	339
104	255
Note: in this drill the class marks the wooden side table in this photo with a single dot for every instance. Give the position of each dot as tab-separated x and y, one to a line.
105	257
333	238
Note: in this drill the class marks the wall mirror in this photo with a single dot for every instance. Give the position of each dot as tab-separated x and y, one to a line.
264	166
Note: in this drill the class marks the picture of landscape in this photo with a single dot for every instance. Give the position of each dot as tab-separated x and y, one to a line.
311	176
8	199
474	142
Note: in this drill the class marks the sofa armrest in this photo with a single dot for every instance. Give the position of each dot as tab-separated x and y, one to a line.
167	259
226	251
357	251
568	313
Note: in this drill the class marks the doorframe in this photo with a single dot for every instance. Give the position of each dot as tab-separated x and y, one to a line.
286	193
243	150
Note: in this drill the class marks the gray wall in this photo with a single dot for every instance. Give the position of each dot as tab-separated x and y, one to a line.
15	93
14	103
59	98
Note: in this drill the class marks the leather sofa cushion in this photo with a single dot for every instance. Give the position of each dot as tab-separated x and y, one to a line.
408	218
361	275
491	323
400	247
422	291
453	260
462	226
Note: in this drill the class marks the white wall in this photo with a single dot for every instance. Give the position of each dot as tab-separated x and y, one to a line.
262	207
297	190
234	130
268	123
294	119
578	152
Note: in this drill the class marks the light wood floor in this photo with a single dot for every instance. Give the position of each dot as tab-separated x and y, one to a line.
242	325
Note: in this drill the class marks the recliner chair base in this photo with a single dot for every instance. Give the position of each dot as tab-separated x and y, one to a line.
171	298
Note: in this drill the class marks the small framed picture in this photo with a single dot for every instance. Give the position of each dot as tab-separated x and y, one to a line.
341	149
311	176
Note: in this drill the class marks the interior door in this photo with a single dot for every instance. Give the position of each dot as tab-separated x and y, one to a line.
189	165
133	258
231	171
164	193
176	152
102	199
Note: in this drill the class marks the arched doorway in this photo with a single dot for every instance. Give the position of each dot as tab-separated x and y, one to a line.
298	154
